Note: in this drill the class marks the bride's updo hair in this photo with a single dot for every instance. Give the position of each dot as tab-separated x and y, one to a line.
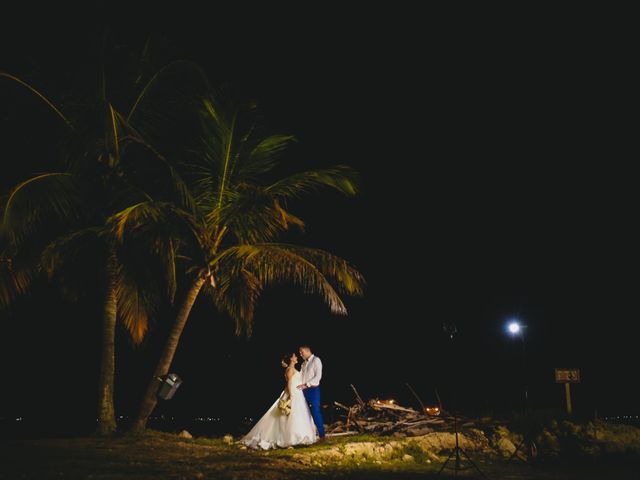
286	360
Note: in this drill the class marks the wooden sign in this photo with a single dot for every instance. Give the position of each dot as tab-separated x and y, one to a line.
567	375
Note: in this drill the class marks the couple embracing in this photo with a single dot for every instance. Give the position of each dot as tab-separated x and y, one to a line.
294	418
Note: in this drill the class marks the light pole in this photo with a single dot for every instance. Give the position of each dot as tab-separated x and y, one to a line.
516	329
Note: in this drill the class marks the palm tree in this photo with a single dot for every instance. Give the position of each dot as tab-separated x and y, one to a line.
50	217
229	239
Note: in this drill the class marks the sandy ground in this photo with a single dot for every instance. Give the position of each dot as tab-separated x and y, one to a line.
163	456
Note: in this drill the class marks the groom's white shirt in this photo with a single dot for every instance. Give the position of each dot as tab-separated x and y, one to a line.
311	371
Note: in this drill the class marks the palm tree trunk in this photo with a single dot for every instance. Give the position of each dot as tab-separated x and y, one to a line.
106	410
162	368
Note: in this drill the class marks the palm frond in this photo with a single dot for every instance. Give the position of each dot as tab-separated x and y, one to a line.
145	277
342	274
238	295
159	230
40	95
220	140
212	110
134	305
152	81
112	136
76	259
272	263
155	217
341	178
227	161
287	218
69	248
37	199
264	156
18	269
249	214
15	279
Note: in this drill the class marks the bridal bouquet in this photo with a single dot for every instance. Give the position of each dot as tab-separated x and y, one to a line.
284	405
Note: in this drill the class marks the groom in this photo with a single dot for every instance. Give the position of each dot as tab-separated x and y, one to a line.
311	375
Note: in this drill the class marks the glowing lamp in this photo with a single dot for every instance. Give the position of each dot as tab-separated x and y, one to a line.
433	411
514	328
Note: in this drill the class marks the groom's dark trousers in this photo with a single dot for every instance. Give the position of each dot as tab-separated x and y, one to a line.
312	395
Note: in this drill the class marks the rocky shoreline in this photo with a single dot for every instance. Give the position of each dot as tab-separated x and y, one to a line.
558	440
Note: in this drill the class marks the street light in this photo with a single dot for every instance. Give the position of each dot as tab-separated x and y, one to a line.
516	329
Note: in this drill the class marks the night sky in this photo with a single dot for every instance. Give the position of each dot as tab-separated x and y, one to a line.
497	161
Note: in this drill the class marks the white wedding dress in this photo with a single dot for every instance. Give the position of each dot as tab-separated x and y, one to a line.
277	430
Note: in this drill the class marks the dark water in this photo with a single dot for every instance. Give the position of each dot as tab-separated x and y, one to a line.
623	419
26	428
69	426
203	426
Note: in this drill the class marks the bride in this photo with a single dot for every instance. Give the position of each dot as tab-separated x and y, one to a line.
280	427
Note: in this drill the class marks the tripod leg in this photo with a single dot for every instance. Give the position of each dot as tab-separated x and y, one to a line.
444	465
515	452
531	446
473	464
533	452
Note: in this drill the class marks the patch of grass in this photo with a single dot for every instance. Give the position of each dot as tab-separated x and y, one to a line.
157	455
331	443
157	435
413	449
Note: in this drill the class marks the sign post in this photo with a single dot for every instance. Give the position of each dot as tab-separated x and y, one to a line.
567	394
568	376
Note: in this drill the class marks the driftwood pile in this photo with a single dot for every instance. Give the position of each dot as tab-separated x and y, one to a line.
385	417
